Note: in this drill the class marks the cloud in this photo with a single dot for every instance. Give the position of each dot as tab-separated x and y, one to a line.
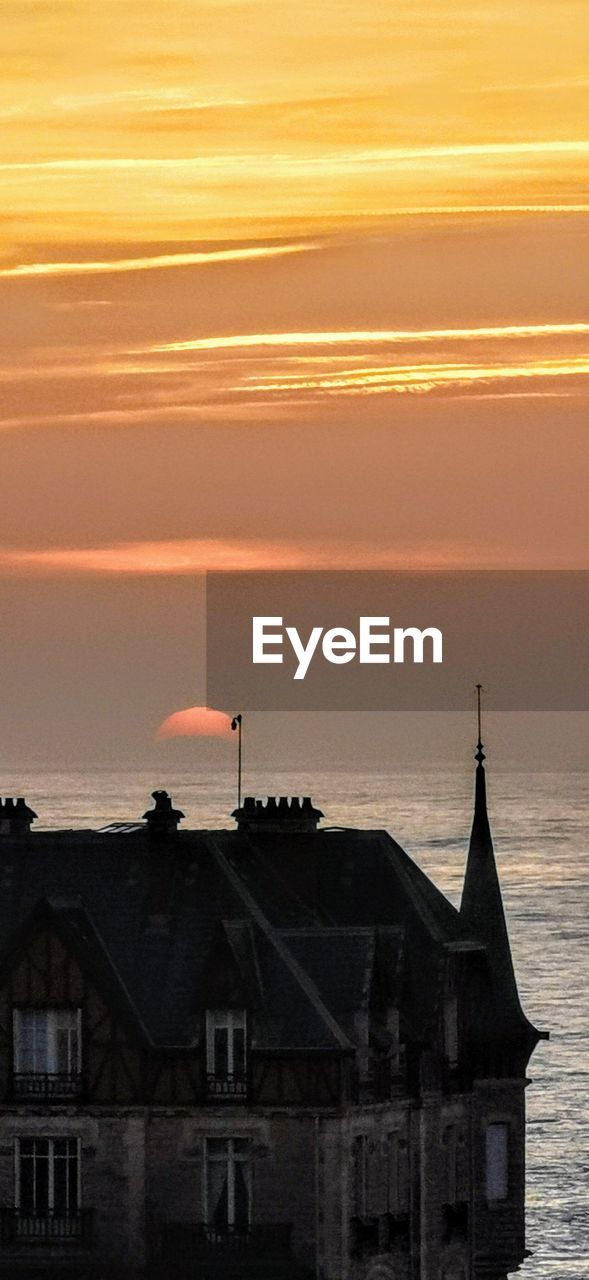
155	263
200	555
422	377
278	376
255	165
362	337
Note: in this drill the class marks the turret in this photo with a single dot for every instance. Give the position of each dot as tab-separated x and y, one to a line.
483	914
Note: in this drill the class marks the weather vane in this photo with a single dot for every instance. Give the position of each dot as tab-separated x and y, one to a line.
480	755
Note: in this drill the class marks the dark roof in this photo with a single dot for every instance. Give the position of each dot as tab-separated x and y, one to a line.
312	922
340	962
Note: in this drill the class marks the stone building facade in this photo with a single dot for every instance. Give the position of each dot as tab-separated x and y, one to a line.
274	1052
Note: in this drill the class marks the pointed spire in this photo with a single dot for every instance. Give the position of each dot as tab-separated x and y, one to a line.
481	908
480	755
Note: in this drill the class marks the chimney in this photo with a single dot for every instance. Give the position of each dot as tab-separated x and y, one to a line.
15	817
283	816
162	820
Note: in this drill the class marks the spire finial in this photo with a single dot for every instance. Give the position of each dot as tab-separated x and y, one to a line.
479	754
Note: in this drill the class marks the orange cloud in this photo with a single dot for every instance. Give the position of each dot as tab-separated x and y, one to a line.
448	102
202	555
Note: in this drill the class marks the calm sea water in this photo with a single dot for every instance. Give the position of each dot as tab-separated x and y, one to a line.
540	824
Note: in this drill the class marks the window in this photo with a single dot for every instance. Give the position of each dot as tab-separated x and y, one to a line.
47	1051
360	1173
364	1224
397	1173
451	1171
226	1053
456	1163
497	1161
228	1185
47	1177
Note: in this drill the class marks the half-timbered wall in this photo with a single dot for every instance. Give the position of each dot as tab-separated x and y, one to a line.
117	1067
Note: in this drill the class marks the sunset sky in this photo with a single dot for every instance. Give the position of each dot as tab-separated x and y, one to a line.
285	285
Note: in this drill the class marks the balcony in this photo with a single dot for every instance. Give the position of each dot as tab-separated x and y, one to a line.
38	1086
19	1227
230	1087
256	1252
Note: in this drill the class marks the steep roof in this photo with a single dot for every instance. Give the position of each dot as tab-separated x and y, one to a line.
302	915
340	962
483	916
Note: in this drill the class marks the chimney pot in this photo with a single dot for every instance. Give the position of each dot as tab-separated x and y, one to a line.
162	820
15	817
287	814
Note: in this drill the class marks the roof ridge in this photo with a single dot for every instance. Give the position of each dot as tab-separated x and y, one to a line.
273	935
416	880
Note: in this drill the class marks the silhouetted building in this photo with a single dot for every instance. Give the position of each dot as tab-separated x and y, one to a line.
271	1053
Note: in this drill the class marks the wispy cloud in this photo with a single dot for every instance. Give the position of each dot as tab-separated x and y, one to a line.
423	377
305	165
273	376
201	555
157	262
548	85
482	210
363	337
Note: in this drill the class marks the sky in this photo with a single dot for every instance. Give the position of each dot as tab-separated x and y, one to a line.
280	286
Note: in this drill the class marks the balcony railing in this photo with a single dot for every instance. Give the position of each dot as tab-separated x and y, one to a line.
230	1087
48	1086
199	1240
19	1227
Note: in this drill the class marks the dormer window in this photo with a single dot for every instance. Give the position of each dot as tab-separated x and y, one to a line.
226	1053
47	1057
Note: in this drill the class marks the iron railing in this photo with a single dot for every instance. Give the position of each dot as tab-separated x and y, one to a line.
198	1239
230	1086
17	1226
46	1085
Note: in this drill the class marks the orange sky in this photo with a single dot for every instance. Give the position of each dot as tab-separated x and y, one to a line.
293	283
281	284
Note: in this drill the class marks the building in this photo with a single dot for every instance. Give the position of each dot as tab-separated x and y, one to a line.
274	1052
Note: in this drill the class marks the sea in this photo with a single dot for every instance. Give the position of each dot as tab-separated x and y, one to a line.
540	824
